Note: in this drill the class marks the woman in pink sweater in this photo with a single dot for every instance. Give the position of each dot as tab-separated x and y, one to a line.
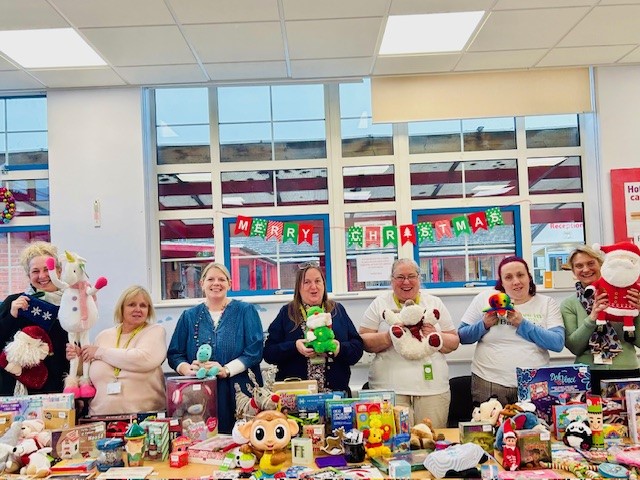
126	359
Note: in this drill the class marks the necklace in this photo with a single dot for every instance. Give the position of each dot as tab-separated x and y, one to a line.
204	314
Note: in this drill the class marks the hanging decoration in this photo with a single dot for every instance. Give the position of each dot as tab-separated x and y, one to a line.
9	204
371	236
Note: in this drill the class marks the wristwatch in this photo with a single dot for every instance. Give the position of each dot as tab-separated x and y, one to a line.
227	371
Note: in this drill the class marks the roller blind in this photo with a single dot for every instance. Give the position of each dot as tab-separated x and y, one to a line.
474	95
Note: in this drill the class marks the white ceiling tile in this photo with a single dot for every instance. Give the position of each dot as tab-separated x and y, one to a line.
223	11
312	9
115	13
164	74
16	80
29	14
584	55
129	46
530	4
246	70
632	57
414	7
415	64
614	25
236	42
333	38
521	30
619	2
333	67
500	60
76	77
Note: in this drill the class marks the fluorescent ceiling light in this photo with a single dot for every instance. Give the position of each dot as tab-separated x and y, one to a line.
430	33
229	200
362	195
545	161
48	48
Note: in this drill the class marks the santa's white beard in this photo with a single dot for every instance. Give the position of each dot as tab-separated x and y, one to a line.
25	350
620	272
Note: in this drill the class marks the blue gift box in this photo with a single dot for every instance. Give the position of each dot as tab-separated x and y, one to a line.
548	386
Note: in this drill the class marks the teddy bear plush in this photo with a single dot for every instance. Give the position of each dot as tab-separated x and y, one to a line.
406	331
203	355
192	408
319	334
620	271
422	436
488	411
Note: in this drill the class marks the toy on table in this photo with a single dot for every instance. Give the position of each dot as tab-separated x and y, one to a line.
594	412
457	461
262	397
488	411
510	450
620	271
269	434
376	434
333	444
111	450
24	356
406	331
30	449
77	315
501	304
194	402
134	444
578	435
422	436
521	421
319	334
203	355
8	441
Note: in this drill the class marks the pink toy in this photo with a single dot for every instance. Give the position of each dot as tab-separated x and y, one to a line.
78	313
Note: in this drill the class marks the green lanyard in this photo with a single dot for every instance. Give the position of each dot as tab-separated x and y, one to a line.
400	305
116	370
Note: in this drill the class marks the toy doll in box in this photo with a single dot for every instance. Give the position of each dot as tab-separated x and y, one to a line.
195	403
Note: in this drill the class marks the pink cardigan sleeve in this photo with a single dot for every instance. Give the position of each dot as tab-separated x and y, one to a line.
147	351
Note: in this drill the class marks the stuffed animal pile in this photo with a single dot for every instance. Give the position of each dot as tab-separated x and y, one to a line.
406	331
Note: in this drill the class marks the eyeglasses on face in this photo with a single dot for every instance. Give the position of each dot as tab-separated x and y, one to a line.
401	278
306	265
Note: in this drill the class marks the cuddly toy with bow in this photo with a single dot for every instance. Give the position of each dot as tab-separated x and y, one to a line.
620	271
78	313
406	331
24	356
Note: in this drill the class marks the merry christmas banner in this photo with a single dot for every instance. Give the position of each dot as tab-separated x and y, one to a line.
374	235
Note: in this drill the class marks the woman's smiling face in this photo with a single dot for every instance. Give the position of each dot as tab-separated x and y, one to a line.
405	282
39	274
585	268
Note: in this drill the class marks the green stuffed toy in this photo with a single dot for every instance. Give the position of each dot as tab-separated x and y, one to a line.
319	334
203	355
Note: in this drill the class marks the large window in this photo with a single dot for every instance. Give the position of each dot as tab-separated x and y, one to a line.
24	167
242	169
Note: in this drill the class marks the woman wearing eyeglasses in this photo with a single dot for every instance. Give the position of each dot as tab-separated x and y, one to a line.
521	338
421	384
285	345
608	355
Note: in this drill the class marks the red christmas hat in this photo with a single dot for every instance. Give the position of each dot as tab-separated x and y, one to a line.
39	333
626	246
508	430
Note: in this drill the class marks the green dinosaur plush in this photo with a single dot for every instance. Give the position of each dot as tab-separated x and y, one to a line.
319	334
203	355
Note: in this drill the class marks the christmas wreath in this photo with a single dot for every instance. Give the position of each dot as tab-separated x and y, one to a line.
9	204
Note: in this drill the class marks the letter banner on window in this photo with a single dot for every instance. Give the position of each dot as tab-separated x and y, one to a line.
374	236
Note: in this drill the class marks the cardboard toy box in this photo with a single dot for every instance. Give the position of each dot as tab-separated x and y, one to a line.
29	407
195	403
309	386
563	415
212	451
544	386
535	448
58	418
77	442
315	402
632	398
616	387
480	433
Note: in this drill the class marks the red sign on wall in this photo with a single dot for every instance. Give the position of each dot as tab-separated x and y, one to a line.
625	201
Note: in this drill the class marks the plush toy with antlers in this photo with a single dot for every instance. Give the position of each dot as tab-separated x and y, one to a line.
262	397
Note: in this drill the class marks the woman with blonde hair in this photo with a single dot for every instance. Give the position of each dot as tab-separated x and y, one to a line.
126	359
234	331
607	354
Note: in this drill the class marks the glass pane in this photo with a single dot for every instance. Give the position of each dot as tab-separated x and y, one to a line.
302	187
361	138
489	134
436	180
261	264
299	140
13	278
556	229
32	197
491	178
247	189
468	257
298	102
182	106
554	175
186	246
184	191
552	131
26	114
355	99
435	137
3	125
245	142
372	224
373	183
183	135
28	142
244	104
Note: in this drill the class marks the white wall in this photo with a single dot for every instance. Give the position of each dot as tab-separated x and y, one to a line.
96	152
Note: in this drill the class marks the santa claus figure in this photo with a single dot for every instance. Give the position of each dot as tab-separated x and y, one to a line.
620	272
510	450
23	357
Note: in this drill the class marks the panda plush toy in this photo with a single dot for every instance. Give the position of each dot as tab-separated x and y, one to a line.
578	435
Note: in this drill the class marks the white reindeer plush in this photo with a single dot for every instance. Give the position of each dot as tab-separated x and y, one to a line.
262	398
78	313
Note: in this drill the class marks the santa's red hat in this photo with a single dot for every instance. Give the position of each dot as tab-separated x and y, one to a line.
40	334
620	246
508	430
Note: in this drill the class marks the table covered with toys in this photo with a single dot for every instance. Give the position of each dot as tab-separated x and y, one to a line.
290	430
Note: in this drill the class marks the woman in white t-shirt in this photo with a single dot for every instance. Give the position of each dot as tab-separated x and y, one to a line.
523	339
420	384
